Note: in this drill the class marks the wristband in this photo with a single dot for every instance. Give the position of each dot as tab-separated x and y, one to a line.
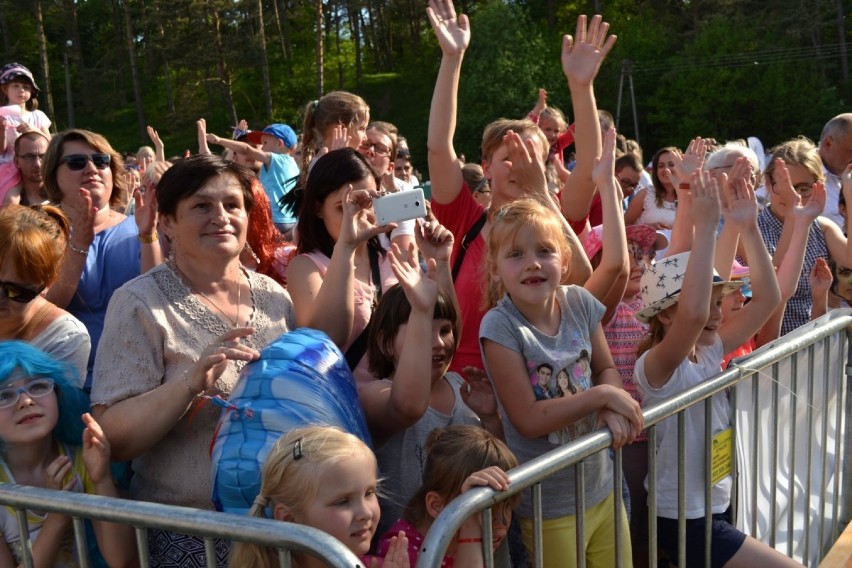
684	186
78	250
469	540
148	239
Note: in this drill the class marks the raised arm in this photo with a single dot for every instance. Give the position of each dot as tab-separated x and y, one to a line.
581	59
609	279
159	147
540	105
453	34
201	129
237	146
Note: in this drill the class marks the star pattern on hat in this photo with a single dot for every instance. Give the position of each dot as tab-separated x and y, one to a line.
661	281
644	290
678	277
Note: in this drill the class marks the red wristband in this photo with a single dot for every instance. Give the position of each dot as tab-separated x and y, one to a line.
468	540
684	186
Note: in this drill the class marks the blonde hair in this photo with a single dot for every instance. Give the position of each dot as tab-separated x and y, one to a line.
492	138
290	477
798	152
556	115
505	225
337	107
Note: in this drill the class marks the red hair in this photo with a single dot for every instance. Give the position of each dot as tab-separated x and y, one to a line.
263	237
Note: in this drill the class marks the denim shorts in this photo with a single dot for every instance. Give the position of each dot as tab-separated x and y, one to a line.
725	542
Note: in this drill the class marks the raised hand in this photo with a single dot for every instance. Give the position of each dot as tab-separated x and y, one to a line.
478	394
359	220
201	131
202	376
96	451
434	240
145	211
820	278
339	138
705	206
81	217
493	477
453	33
583	53
813	208
689	163
741	203
604	166
159	147
421	290
397	554
782	186
526	157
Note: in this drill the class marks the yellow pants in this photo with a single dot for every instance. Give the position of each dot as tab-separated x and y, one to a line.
559	540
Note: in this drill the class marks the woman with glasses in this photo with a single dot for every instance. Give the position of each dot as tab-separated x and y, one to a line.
794	178
105	249
44	443
32	244
179	335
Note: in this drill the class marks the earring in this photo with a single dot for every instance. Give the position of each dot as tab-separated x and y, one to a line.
248	249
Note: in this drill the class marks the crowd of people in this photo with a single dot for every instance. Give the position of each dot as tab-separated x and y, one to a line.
545	295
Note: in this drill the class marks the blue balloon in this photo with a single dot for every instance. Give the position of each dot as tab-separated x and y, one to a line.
300	379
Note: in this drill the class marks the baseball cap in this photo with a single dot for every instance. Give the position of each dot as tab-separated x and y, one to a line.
12	71
281	131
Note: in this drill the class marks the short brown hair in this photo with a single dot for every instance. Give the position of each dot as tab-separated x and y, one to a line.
492	138
389	130
188	176
97	143
33	240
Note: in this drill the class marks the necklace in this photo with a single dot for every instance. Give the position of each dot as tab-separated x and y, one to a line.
194	290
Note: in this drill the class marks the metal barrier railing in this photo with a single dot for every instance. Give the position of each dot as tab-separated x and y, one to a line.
208	525
790	348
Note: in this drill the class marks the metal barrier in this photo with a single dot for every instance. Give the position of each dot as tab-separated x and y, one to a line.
208	525
827	335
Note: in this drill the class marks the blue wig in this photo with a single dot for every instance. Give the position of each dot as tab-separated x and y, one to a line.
72	402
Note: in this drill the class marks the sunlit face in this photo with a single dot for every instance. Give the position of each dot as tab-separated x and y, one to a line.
628	179
732	303
836	152
802	180
550	127
714	320
530	267
97	181
443	346
30	420
30	157
377	149
331	211
403	169
498	171
666	162
17	92
346	506
211	222
269	143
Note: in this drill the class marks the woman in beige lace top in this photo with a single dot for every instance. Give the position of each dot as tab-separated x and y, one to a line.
181	333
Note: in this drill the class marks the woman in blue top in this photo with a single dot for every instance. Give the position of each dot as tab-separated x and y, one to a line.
83	174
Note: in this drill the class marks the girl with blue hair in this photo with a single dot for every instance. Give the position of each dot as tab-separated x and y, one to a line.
43	443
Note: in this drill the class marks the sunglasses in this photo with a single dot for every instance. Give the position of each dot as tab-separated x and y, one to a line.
18	293
77	162
35	388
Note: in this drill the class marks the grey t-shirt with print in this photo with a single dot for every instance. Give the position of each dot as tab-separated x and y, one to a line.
557	366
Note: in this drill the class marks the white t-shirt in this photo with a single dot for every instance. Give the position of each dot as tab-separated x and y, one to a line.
35	119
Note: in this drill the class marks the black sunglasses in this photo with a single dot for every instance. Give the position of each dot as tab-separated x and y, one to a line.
18	293
77	162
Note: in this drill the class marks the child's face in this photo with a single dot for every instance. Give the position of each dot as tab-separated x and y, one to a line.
33	416
501	518
269	143
17	92
498	170
708	334
530	268
550	127
732	303
331	211
346	506
628	179
843	275
443	346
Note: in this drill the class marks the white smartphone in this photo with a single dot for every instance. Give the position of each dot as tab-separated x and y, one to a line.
402	206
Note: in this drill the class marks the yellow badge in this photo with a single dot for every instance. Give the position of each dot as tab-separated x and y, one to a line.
721	456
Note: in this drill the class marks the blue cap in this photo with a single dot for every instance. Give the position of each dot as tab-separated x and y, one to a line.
281	131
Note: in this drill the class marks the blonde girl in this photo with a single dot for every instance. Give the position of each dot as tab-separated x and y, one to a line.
458	458
324	478
536	321
513	157
336	120
683	297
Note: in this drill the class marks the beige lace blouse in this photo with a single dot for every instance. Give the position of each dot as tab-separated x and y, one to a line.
154	331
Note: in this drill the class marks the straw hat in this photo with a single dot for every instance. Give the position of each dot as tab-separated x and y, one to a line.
661	283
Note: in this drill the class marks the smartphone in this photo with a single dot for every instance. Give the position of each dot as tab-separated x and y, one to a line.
402	206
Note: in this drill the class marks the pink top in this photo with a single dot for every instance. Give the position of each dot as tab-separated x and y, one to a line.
415	542
624	333
363	308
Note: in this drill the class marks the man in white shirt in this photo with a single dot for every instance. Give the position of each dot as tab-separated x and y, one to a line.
835	149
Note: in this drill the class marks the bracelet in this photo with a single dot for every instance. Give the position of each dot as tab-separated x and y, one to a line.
148	239
195	394
684	186
469	540
78	250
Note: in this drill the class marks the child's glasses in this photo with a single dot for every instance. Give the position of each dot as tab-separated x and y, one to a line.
18	293
77	162
35	388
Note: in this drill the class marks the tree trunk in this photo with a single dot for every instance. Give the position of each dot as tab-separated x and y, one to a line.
355	24
264	61
320	86
841	34
134	71
222	66
340	73
76	55
47	97
288	48
278	27
161	53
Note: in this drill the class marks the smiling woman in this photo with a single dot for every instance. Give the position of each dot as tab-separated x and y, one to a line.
180	334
